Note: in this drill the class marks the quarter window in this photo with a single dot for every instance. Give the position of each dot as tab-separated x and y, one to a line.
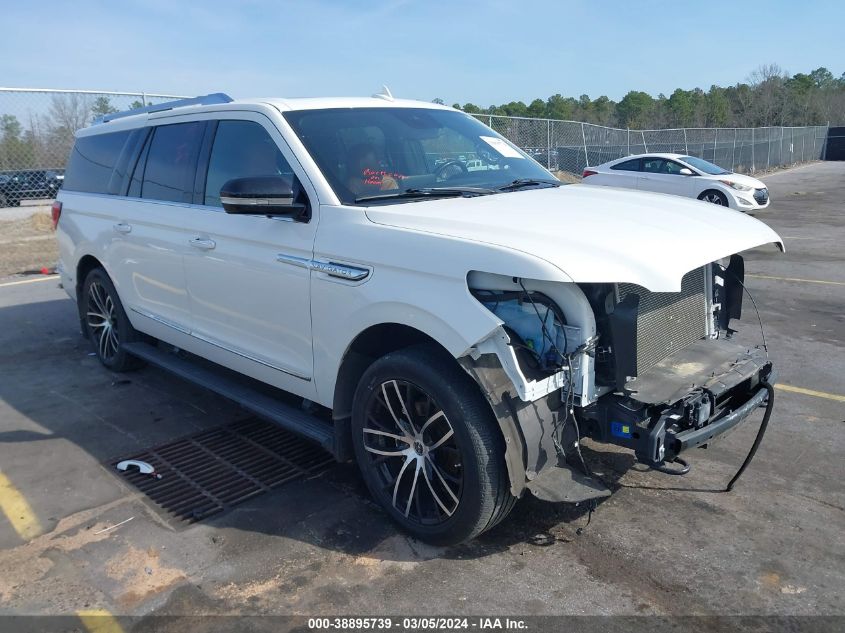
171	162
241	149
92	162
628	165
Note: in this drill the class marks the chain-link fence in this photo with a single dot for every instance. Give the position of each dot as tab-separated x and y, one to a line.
36	134
37	129
570	146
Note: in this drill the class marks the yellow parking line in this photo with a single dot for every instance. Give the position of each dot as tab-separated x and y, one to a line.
810	392
17	510
806	281
99	621
29	281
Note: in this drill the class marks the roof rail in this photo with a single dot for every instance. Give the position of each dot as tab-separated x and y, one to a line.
214	98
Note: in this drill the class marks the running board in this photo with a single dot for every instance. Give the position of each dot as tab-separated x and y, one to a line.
238	389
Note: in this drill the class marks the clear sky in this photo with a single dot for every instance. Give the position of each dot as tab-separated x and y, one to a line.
482	52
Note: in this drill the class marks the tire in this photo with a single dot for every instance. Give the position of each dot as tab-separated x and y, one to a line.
714	197
106	324
429	447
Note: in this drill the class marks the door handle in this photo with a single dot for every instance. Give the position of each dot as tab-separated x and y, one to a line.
202	244
122	227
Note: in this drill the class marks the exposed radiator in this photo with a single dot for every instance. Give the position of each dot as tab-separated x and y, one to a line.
668	321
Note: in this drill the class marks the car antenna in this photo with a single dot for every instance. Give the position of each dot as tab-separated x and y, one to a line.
384	94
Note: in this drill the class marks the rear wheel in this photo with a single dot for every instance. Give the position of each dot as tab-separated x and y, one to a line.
106	323
429	447
714	197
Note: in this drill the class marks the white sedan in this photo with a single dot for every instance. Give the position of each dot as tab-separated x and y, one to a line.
682	176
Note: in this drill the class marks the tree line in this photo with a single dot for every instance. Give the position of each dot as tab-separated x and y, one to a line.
768	97
45	139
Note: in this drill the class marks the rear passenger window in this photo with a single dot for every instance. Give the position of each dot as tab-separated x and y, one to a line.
92	162
171	162
241	149
628	165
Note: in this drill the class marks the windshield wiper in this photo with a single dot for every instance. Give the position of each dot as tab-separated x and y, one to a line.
521	183
428	192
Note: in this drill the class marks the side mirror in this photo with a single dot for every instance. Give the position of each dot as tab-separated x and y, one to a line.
685	171
265	195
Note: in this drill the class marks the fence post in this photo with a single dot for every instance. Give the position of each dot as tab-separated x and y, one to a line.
490	121
144	99
792	144
781	145
803	141
686	147
733	153
548	144
629	140
768	148
815	131
584	138
645	147
715	141
753	168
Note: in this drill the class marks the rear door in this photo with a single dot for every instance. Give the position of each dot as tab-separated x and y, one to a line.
246	298
150	241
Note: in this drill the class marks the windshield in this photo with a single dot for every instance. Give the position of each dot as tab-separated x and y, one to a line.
389	154
702	165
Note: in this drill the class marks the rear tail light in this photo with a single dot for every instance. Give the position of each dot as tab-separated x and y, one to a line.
588	172
56	212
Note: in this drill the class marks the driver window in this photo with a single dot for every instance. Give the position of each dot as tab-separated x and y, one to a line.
672	168
241	149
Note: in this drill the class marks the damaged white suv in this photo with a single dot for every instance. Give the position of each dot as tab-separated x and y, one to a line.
455	330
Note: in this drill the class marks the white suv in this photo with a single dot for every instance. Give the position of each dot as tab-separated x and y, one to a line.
456	332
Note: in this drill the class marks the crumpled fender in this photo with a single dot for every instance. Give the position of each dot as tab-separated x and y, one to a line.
527	428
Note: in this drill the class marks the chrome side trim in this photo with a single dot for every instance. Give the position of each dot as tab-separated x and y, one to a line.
160	319
256	202
225	348
333	269
210	341
293	260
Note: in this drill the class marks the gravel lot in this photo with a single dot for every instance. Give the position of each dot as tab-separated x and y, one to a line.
659	545
27	240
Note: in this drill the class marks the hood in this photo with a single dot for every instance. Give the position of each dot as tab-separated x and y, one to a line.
592	234
742	179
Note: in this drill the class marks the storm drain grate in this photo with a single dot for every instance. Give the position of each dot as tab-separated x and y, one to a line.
201	475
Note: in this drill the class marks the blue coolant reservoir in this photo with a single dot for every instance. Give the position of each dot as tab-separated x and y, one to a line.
522	318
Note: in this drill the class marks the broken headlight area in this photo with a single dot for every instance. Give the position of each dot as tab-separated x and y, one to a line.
536	327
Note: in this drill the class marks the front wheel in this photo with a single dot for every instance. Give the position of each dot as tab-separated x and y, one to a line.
106	322
429	447
714	197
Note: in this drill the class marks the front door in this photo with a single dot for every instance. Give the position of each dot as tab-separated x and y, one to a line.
663	176
244	301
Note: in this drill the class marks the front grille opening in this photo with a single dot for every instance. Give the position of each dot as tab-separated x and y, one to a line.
668	321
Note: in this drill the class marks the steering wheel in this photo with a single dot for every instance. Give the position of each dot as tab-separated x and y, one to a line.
441	172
